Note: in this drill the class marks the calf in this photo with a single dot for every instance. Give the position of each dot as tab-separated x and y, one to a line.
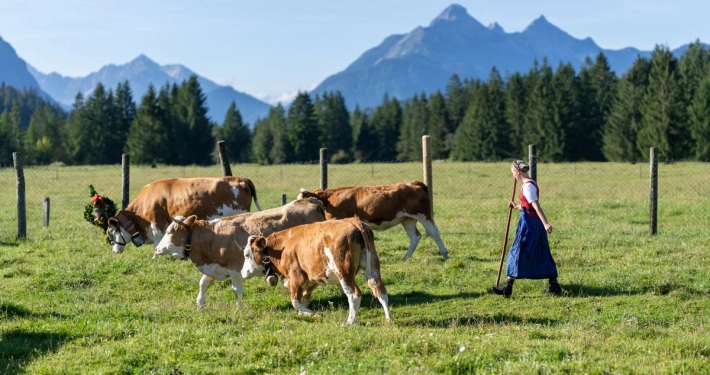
327	252
213	246
150	213
384	207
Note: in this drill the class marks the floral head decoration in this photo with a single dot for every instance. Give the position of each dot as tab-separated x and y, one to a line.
99	210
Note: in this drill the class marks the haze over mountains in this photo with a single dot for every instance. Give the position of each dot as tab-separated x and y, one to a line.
422	60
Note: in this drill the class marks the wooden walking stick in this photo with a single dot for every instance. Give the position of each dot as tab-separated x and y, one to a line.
507	228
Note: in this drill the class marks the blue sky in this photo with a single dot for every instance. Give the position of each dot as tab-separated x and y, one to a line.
274	47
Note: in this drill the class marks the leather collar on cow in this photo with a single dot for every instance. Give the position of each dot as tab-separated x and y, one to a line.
188	244
128	225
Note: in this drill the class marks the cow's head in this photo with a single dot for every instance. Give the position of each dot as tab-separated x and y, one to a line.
120	230
303	194
176	237
254	257
118	236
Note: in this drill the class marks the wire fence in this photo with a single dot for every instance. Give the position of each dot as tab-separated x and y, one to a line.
459	187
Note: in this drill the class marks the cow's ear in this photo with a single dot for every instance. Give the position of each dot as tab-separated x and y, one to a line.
190	220
259	243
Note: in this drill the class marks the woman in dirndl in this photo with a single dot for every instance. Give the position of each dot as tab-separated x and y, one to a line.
530	256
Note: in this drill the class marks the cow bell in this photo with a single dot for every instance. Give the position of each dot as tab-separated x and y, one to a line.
272	280
137	240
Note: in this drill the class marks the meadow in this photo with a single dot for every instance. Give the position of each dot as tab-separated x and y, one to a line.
632	303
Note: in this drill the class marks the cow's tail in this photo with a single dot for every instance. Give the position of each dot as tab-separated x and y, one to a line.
373	277
253	193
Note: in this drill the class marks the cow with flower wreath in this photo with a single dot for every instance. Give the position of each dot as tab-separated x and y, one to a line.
147	216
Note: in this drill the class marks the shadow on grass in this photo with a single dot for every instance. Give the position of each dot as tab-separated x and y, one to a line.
12	312
583	291
419	297
19	347
13	243
464	321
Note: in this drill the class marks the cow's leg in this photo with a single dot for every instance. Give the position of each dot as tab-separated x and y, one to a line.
295	282
306	299
378	290
205	283
433	231
352	291
410	226
237	286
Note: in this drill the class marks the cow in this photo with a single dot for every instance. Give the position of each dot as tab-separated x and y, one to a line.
308	255
150	213
383	207
214	246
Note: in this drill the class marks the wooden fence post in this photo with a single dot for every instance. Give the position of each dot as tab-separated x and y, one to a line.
45	211
223	158
426	163
21	200
653	197
532	161
323	168
126	167
283	199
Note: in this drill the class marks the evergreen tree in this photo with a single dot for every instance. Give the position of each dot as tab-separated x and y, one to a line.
662	110
386	122
365	148
623	123
597	87
148	137
334	123
236	135
262	142
565	119
99	117
457	100
515	107
78	132
699	119
693	68
415	119
483	134
439	127
125	109
10	134
540	114
43	139
302	129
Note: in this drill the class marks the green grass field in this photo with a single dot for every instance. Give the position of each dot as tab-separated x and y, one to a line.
632	303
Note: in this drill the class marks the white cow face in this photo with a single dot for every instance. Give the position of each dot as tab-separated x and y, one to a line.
175	238
119	237
253	265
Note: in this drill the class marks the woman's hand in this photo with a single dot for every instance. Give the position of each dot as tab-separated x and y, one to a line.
512	205
548	228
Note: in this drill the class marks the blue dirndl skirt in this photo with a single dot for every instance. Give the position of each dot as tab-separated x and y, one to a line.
530	256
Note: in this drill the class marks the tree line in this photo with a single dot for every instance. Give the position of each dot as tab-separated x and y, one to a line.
592	115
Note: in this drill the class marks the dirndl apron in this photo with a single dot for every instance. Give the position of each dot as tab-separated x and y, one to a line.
529	256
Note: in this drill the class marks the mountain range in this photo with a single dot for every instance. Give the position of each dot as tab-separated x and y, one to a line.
142	71
454	42
422	60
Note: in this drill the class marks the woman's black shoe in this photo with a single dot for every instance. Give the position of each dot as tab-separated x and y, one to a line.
553	288
505	289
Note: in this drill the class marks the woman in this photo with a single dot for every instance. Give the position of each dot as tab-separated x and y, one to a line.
529	257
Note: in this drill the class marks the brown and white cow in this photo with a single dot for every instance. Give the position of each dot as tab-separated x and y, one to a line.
330	252
383	207
150	213
214	246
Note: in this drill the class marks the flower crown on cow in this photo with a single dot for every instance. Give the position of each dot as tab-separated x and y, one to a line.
99	210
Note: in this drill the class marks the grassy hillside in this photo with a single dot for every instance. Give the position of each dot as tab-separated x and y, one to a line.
632	303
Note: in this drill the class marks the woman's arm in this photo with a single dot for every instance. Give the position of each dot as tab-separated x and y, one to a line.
542	216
